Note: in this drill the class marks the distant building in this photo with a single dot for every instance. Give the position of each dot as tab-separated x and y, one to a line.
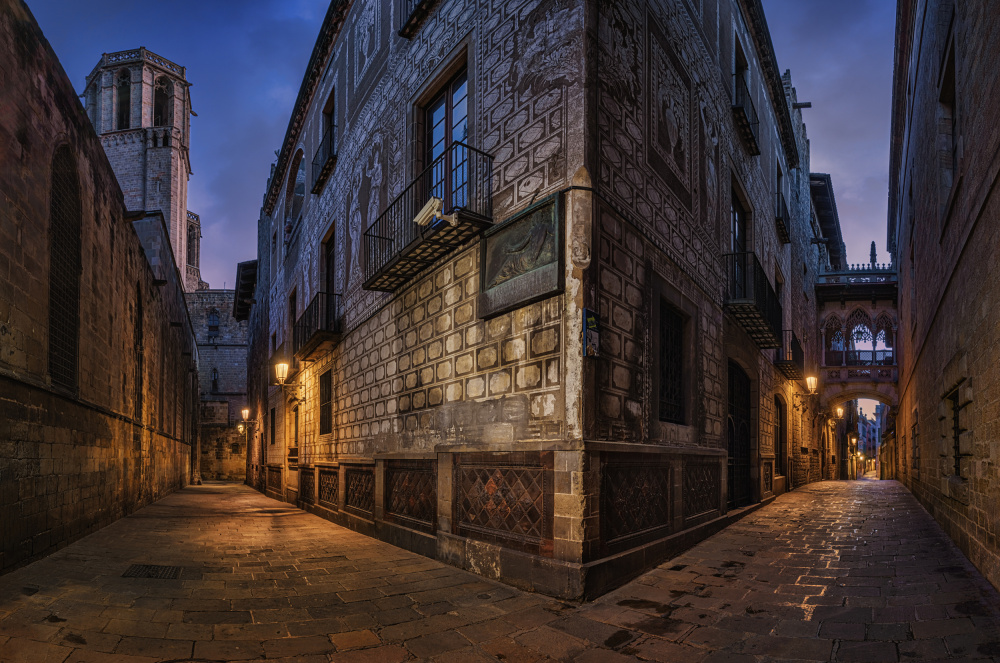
98	382
537	277
222	376
943	231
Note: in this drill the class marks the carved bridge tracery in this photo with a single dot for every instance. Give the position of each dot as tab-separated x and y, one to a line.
858	325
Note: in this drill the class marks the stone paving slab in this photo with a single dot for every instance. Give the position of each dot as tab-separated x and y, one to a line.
835	571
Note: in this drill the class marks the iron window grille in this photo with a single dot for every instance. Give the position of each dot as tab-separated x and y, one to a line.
671	364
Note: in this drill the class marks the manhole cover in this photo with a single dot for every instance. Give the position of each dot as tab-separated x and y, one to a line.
152	571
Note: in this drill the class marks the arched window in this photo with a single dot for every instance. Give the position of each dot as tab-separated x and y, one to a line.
124	110
295	191
860	339
163	91
213	326
64	269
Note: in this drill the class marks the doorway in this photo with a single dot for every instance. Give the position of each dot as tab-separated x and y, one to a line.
740	489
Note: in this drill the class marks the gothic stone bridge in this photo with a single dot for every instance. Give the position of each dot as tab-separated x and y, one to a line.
859	320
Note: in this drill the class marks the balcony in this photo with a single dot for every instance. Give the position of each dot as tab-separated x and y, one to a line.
751	299
318	328
412	14
325	159
860	357
858	283
453	197
782	221
789	358
746	116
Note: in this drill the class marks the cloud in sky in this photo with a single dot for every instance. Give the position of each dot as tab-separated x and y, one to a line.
246	61
840	54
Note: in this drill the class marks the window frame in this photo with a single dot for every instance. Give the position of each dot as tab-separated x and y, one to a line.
665	293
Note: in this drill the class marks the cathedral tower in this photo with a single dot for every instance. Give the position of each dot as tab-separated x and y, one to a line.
140	105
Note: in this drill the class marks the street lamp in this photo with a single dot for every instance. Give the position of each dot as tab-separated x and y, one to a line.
840	412
811	382
281	372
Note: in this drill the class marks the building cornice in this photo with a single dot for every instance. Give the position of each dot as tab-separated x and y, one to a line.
757	24
332	23
905	17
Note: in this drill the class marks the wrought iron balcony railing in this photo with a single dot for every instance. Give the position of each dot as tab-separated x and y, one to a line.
746	116
781	219
789	358
460	183
326	157
751	299
412	14
318	328
860	357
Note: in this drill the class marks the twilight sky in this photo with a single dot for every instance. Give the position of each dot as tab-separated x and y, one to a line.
246	61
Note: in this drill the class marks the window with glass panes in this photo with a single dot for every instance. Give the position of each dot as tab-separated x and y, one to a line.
447	122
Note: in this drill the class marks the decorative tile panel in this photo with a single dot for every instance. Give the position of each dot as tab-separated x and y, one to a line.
307	484
411	493
329	487
360	497
274	478
701	489
635	499
505	498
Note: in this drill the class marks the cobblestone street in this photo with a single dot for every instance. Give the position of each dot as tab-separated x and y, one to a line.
840	571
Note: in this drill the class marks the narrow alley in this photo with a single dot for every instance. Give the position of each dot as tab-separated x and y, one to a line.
834	571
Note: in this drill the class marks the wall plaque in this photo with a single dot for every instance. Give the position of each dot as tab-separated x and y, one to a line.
522	259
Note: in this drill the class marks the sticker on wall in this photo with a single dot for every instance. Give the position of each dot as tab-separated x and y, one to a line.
591	334
522	259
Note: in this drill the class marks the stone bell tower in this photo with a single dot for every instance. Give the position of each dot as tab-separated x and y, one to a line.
140	105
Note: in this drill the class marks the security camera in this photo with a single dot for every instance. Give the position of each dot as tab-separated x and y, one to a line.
433	210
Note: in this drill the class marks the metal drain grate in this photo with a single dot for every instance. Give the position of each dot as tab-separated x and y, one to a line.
152	571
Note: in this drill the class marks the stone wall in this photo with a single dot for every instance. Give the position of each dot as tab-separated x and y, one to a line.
943	234
103	424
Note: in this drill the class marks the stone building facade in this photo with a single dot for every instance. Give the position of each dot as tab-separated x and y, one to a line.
943	206
98	380
543	277
140	105
222	381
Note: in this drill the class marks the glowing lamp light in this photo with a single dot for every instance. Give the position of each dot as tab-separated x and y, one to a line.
240	427
281	372
861	456
840	412
246	413
811	382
